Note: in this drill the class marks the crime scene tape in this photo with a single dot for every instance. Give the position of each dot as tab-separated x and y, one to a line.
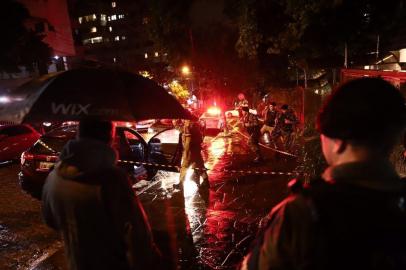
258	172
168	166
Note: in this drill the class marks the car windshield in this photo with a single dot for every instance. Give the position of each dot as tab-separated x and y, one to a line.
208	115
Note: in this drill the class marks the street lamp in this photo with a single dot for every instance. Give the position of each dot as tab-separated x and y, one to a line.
185	70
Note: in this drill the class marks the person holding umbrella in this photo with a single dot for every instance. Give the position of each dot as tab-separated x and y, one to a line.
90	202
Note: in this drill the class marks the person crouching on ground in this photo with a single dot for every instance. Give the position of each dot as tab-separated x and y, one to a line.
91	203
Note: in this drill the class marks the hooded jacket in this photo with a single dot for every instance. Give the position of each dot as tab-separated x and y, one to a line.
90	201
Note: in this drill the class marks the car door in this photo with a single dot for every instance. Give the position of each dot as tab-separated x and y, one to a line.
130	145
165	147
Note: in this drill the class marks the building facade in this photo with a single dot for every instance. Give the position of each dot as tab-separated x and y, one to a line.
51	19
113	32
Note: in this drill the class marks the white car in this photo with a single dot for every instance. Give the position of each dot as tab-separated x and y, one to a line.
212	119
142	126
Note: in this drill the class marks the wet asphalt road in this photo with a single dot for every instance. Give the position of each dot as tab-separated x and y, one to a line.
206	229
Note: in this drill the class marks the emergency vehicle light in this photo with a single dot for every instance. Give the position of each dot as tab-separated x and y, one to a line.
213	111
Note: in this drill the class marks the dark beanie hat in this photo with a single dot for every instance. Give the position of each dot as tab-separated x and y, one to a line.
362	109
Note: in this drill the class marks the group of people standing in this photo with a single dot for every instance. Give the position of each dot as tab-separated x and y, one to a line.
278	127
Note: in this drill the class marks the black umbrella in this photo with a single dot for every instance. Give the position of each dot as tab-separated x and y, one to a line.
102	93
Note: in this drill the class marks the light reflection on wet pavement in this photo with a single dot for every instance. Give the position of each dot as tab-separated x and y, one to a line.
212	229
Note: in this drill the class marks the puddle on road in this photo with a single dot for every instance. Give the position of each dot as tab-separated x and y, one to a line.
214	228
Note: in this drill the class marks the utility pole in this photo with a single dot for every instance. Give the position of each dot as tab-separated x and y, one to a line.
304	94
377	48
345	56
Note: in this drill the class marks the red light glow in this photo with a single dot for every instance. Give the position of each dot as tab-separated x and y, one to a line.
214	110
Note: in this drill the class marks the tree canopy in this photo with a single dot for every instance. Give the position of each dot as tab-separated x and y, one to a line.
258	40
19	46
316	31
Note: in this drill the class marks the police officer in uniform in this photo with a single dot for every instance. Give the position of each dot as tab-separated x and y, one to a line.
285	126
240	103
251	124
192	140
270	114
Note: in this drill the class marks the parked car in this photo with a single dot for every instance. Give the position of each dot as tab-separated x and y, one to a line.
159	125
142	126
212	119
15	139
38	160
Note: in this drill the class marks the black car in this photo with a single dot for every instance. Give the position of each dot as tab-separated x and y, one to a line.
37	161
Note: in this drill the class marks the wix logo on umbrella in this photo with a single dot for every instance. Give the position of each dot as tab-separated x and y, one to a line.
70	108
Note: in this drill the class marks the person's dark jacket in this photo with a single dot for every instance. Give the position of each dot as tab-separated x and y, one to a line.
270	117
352	218
251	124
286	121
90	201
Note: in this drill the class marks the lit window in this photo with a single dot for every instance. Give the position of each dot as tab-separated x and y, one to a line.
116	38
121	16
93	30
113	4
110	28
156	54
103	19
108	18
114	60
93	40
123	37
113	17
80	20
146	55
90	18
